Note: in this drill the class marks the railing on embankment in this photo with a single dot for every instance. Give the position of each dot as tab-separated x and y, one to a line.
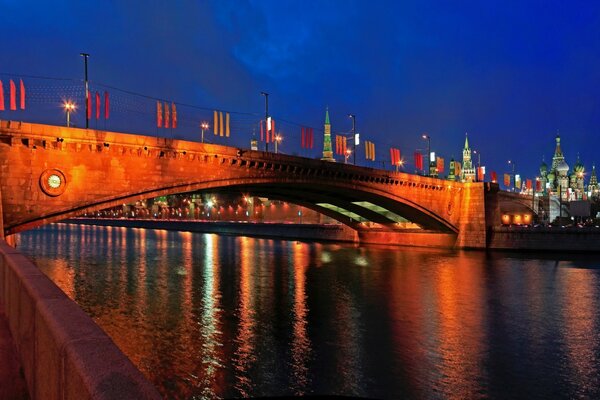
64	354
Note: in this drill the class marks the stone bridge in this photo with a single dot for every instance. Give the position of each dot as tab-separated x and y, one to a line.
49	173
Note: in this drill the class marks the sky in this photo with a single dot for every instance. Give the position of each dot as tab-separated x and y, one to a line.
511	74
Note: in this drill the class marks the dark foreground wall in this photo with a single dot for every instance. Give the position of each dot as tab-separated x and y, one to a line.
64	354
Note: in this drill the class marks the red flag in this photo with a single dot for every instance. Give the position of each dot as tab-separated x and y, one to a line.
440	165
480	174
272	130
159	114
97	105
13	96
494	177
392	156
174	115
262	135
106	105
528	184
506	180
1	96
22	90
312	137
398	157
538	185
418	160
167	115
89	105
302	141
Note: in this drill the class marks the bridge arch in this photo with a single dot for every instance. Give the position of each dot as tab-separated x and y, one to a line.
307	193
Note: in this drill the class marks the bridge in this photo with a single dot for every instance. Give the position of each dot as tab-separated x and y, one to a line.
49	173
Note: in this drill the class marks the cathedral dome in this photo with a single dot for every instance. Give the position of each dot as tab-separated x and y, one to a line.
562	166
543	167
578	167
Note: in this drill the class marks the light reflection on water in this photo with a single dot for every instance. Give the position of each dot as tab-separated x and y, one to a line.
218	316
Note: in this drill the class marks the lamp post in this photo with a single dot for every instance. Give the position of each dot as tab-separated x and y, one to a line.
347	155
87	90
203	127
513	174
277	140
69	107
266	117
353	134
478	164
428	138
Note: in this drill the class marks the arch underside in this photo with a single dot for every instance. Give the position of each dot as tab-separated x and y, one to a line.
348	205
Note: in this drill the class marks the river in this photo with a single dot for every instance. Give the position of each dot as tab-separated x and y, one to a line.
205	316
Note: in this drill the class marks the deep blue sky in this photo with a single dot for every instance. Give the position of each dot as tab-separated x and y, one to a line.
509	73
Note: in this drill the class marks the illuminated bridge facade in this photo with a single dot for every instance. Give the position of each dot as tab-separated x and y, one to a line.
49	173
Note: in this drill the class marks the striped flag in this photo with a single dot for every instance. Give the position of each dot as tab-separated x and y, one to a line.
22	93
395	156
167	115
173	115
1	96
227	130
13	95
262	130
216	123
97	105
106	105
440	165
481	174
89	105
506	180
159	114
369	150
221	127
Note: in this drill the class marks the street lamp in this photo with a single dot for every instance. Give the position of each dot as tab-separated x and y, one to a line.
513	174
87	90
203	127
266	117
428	138
278	140
69	107
347	155
353	134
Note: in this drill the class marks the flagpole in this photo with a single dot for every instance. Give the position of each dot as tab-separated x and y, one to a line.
87	94
266	118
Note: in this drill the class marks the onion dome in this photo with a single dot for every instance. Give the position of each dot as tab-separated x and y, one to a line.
562	166
543	168
578	166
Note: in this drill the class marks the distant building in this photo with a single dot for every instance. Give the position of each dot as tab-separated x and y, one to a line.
557	178
327	151
467	173
592	189
451	170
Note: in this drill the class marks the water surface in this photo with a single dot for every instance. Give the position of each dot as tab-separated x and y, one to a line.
206	316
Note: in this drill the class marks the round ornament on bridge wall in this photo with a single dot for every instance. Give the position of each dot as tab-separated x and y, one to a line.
53	182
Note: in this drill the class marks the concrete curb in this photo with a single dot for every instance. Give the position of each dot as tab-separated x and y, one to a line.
64	354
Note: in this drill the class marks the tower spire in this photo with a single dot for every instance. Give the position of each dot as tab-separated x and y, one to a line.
327	152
